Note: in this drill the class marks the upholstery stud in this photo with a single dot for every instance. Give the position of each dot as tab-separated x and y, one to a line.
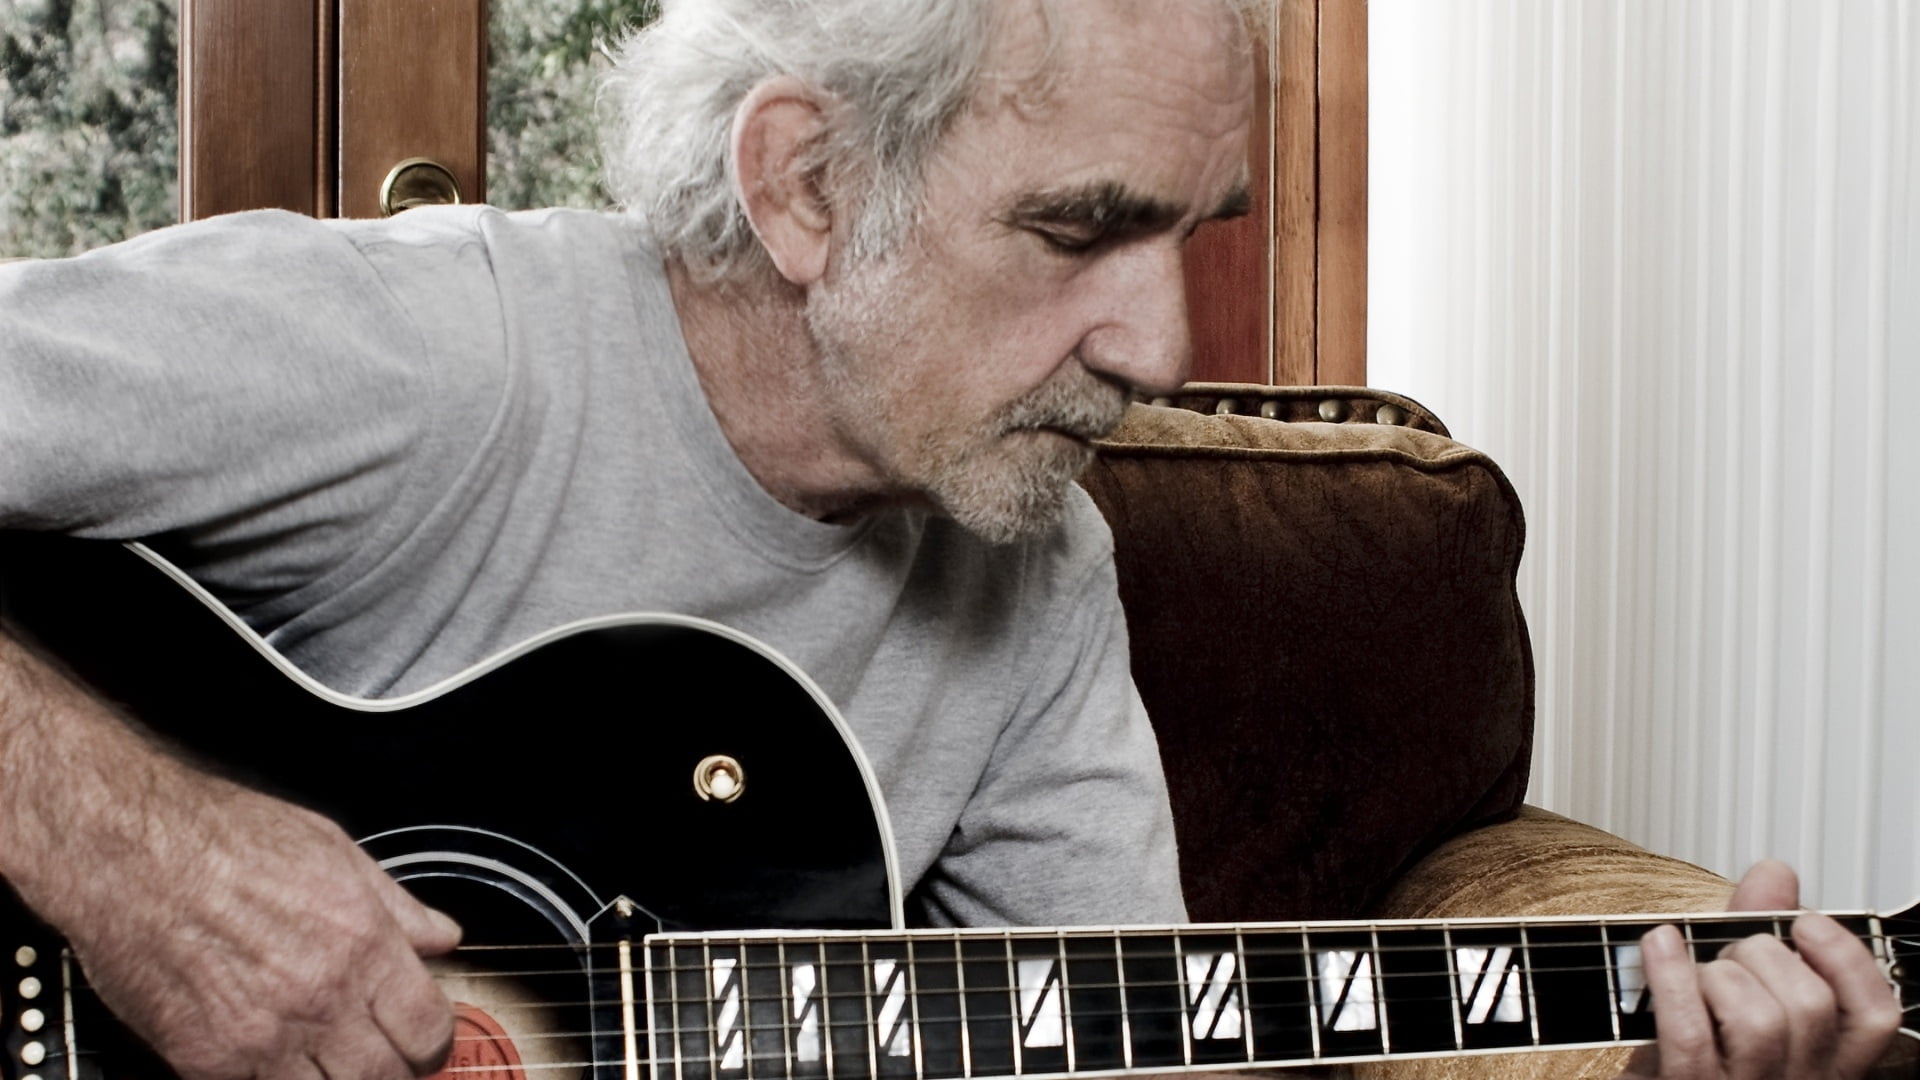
1333	410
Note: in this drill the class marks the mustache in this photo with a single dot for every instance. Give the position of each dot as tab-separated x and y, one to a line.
1080	405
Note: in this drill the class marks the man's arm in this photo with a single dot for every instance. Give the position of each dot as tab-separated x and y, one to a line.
1761	1009
239	935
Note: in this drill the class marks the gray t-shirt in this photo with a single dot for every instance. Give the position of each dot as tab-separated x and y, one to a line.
396	448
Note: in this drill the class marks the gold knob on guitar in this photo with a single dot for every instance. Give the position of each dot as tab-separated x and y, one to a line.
417	182
719	778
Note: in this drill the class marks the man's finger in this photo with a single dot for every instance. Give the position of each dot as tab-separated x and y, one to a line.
1869	1013
414	1018
1794	993
1687	1046
1770	885
363	1052
1752	1026
430	932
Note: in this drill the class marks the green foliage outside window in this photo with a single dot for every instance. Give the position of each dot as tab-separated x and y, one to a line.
542	145
89	140
89	137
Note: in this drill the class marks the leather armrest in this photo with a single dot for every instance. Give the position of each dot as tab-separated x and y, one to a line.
1540	863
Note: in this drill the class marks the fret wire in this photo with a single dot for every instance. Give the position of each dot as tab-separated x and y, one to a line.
826	1012
1017	1036
1186	1000
627	1042
1379	998
966	1026
1179	977
1126	1017
1526	972
1609	961
713	1039
673	991
1246	993
1456	988
870	979
1066	1000
784	999
1313	994
913	1008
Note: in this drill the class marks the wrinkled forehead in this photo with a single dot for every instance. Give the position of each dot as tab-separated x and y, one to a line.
1038	47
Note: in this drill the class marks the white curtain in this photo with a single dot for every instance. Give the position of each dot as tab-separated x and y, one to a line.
1662	261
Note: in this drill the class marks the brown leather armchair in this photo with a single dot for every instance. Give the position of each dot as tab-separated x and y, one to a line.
1319	586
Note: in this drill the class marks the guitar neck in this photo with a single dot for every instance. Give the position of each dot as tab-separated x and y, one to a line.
962	1004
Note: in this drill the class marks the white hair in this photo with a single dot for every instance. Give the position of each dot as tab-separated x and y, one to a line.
896	72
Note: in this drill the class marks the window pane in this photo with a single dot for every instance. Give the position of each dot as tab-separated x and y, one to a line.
89	129
542	148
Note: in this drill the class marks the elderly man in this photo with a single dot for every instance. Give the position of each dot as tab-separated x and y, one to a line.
891	267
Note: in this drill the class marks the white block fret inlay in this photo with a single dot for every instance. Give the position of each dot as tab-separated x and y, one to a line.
1042	1015
890	1021
729	1037
802	982
1348	999
1630	980
1490	985
1213	996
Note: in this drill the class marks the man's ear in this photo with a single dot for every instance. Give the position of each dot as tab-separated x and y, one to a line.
775	131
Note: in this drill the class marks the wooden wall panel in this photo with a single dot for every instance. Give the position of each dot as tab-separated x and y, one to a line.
1295	241
412	84
251	75
1228	294
1302	319
1341	316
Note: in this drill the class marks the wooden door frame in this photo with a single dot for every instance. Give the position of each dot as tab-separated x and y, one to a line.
1281	295
256	102
1319	234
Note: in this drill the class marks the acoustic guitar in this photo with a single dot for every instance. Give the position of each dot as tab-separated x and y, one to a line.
672	863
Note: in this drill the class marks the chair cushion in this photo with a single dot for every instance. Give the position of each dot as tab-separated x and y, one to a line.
1326	634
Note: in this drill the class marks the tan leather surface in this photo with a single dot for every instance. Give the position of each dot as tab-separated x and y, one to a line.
1545	864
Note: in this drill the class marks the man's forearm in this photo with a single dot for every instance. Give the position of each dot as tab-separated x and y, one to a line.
67	765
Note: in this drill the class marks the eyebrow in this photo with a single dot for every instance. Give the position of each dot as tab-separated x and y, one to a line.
1108	208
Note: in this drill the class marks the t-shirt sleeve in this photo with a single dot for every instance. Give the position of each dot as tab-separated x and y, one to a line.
247	379
1070	824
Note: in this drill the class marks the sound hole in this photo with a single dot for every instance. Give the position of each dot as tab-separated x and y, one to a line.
519	985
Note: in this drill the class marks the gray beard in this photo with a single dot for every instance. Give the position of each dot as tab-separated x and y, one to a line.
1005	481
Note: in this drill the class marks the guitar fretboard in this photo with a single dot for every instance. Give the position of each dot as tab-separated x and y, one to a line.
934	1006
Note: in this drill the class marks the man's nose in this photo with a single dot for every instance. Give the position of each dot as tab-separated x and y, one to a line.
1141	336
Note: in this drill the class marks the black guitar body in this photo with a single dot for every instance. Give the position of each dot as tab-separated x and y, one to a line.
651	773
671	864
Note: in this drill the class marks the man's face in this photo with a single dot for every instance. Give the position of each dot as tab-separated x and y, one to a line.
1043	280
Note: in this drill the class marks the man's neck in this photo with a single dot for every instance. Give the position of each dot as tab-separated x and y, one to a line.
757	367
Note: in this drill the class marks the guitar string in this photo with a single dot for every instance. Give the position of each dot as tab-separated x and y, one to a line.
1175	988
1173	1012
1464	938
1241	979
1538	957
1891	928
